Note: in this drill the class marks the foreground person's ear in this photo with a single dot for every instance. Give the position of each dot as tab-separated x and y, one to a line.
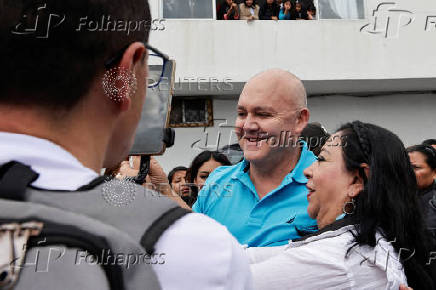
120	82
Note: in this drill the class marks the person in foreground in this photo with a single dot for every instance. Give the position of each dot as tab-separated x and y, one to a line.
371	233
69	106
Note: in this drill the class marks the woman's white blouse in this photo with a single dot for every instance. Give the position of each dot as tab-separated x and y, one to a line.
320	262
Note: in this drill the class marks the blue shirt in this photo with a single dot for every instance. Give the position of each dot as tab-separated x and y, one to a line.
230	198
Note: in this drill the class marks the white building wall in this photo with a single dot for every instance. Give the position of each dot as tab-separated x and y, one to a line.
411	116
313	50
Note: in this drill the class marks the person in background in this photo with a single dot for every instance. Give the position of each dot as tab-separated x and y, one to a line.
423	160
315	135
201	167
228	11
249	10
177	180
204	164
285	12
430	142
371	232
300	14
269	11
311	13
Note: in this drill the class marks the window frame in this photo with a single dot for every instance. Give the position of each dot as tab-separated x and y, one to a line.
208	109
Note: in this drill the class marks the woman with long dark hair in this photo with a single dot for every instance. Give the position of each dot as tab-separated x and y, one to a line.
362	193
201	167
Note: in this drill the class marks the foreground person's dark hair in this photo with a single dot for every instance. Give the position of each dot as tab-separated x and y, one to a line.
388	202
55	66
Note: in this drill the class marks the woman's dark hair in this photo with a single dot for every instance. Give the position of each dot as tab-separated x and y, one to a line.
173	171
252	5
428	151
388	202
429	142
203	157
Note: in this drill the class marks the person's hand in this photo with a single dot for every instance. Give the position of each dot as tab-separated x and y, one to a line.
156	174
159	182
126	171
274	18
234	5
403	287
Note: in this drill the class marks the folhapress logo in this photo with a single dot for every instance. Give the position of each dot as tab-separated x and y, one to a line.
387	21
38	22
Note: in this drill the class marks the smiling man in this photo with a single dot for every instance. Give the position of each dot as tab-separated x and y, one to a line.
263	199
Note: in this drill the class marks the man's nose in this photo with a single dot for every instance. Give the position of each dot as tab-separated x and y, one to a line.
250	124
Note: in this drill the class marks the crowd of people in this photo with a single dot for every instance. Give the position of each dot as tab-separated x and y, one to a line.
355	210
268	10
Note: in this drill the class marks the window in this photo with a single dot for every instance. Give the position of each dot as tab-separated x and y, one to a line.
188	9
341	9
191	113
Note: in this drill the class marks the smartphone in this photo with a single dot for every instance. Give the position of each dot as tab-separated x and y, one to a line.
150	134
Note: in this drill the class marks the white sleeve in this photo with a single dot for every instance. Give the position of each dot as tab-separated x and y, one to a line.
199	253
260	254
306	267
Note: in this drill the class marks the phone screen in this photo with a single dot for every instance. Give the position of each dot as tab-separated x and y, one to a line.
155	114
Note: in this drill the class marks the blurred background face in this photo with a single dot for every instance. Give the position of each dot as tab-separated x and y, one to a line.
269	1
424	173
328	181
287	5
229	2
298	7
204	172
178	182
249	2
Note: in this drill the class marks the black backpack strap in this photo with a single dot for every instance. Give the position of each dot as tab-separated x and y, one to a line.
15	177
159	226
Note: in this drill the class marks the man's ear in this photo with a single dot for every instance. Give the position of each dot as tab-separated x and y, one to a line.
123	77
303	119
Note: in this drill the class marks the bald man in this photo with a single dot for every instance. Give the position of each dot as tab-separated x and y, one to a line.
263	199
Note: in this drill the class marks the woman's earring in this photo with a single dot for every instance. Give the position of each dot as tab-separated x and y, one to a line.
349	207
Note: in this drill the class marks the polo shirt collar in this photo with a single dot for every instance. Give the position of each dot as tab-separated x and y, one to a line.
296	174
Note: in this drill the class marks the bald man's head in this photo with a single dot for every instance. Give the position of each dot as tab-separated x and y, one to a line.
271	105
280	83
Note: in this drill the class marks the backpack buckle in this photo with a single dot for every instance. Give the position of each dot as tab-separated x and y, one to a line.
13	241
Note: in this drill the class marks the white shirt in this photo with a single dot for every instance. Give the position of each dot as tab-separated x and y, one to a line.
199	252
319	263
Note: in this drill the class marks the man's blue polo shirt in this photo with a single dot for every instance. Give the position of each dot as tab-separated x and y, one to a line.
230	198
